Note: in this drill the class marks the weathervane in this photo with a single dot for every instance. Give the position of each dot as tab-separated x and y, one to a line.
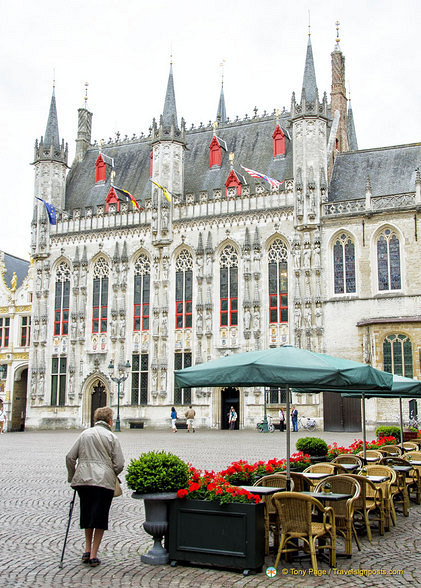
86	95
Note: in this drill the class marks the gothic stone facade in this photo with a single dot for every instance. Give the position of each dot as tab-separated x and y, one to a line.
326	261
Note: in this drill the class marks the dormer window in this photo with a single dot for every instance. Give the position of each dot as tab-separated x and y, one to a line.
215	153
278	142
112	198
233	182
101	169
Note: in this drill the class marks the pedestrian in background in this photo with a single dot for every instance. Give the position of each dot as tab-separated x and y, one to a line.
281	420
232	418
174	419
93	464
2	417
294	419
190	414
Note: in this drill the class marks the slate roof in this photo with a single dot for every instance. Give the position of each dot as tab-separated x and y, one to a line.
391	171
15	264
250	140
309	78
51	136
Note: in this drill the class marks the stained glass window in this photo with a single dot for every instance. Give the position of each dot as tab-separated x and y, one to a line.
140	364
278	282
58	381
228	287
142	278
62	300
397	355
100	297
344	265
184	290
388	261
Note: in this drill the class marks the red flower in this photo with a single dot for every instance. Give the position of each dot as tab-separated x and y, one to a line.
194	486
182	493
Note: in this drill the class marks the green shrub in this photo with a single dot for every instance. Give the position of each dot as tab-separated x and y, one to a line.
389	432
157	471
313	446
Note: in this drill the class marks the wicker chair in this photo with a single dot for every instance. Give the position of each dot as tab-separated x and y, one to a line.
319	468
344	509
347	459
370	501
392	450
410	446
400	489
271	515
295	514
386	487
414	474
301	483
372	455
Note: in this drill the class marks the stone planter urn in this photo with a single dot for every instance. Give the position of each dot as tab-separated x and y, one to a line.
156	524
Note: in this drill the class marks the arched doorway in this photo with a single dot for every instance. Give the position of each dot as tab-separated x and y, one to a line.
17	421
98	398
229	397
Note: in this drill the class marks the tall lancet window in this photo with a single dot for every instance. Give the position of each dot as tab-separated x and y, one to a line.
344	265
183	290
228	286
278	282
142	287
388	261
62	300
100	296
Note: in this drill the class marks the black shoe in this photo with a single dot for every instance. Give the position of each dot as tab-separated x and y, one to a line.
86	557
94	562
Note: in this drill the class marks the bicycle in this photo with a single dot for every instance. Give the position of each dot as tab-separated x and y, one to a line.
306	423
271	427
414	422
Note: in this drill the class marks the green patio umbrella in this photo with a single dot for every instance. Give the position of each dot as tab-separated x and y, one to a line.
401	388
289	367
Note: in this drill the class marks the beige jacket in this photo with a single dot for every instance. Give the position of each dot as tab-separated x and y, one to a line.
190	413
93	465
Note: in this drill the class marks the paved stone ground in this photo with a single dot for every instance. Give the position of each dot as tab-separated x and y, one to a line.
35	498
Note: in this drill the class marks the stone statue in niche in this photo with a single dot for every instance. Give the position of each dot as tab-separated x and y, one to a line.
81	327
316	255
165	218
247	319
297	317
199	323
122	326
297	257
256	320
307	256
318	314
308	317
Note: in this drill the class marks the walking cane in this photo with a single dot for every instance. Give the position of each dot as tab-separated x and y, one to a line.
68	527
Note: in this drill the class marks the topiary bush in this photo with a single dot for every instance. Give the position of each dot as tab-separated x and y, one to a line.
313	446
157	471
389	432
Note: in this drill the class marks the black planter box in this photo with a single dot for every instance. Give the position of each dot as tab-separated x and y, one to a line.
208	533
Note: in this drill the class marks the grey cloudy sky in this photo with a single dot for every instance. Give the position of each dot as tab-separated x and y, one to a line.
122	48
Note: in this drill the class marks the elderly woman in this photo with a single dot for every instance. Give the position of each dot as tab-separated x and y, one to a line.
99	460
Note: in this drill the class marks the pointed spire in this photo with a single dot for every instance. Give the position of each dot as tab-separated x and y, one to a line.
309	78
51	137
221	113
169	115
352	135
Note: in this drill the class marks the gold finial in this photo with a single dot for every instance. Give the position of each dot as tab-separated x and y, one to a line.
337	31
231	158
277	112
309	24
14	282
101	143
214	126
112	176
86	94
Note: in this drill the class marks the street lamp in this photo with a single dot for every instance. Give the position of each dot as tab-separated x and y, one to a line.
123	370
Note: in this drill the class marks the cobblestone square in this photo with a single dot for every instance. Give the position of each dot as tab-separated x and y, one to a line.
35	498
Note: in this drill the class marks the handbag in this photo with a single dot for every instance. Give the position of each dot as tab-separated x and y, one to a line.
117	489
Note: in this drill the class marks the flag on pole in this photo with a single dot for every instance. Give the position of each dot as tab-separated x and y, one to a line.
127	195
51	211
255	174
167	194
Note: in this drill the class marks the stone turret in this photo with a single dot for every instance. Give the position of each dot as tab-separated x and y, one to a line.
168	144
338	96
84	127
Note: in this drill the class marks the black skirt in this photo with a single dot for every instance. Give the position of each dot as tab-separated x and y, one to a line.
95	505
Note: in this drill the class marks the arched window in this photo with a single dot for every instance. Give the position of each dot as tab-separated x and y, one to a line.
142	286
228	287
278	282
100	296
62	300
344	265
388	261
183	290
397	355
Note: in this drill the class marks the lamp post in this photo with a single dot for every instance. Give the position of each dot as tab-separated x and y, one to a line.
123	370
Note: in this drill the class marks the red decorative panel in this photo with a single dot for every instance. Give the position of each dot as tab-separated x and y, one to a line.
278	142
101	169
215	153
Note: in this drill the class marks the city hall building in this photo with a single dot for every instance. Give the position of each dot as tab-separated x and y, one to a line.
217	260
